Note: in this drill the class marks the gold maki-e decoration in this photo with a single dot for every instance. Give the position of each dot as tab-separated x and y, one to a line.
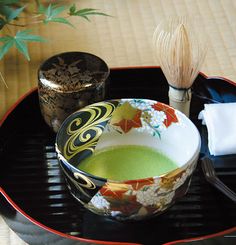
84	132
180	53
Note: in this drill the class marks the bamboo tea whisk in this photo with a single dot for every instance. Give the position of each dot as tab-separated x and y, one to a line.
180	54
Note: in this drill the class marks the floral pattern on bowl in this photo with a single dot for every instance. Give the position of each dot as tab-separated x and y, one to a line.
140	198
128	122
143	115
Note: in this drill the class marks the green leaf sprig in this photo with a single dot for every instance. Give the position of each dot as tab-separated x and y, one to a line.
84	13
19	41
10	15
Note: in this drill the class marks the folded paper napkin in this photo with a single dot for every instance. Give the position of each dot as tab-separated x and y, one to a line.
220	120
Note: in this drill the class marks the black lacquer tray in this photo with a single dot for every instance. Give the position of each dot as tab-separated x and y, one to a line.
37	205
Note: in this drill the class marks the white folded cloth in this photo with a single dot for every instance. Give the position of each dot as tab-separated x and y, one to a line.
220	120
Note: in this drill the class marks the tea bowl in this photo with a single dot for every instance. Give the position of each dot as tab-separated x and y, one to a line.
141	123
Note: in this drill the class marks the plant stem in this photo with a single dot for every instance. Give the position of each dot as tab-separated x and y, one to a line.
3	80
24	25
19	25
33	16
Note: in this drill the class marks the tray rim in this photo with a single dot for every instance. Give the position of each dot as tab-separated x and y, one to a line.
21	98
18	209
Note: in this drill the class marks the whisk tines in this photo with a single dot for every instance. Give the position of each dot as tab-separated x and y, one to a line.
180	53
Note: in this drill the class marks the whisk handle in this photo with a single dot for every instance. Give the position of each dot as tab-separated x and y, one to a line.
180	99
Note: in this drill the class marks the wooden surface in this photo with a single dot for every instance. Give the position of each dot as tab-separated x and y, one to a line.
123	40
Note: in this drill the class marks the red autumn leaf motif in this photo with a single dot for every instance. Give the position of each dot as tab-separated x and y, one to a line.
126	117
114	190
170	113
127	124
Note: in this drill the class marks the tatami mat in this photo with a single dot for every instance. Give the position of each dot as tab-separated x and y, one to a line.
122	40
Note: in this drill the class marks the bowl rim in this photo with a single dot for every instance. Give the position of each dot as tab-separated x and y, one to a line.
92	176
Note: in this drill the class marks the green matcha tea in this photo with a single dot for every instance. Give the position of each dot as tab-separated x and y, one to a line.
127	163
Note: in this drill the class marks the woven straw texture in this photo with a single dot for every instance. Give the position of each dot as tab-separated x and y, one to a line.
123	40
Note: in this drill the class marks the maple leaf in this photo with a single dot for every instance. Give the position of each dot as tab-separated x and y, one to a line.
114	190
19	41
127	117
170	113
